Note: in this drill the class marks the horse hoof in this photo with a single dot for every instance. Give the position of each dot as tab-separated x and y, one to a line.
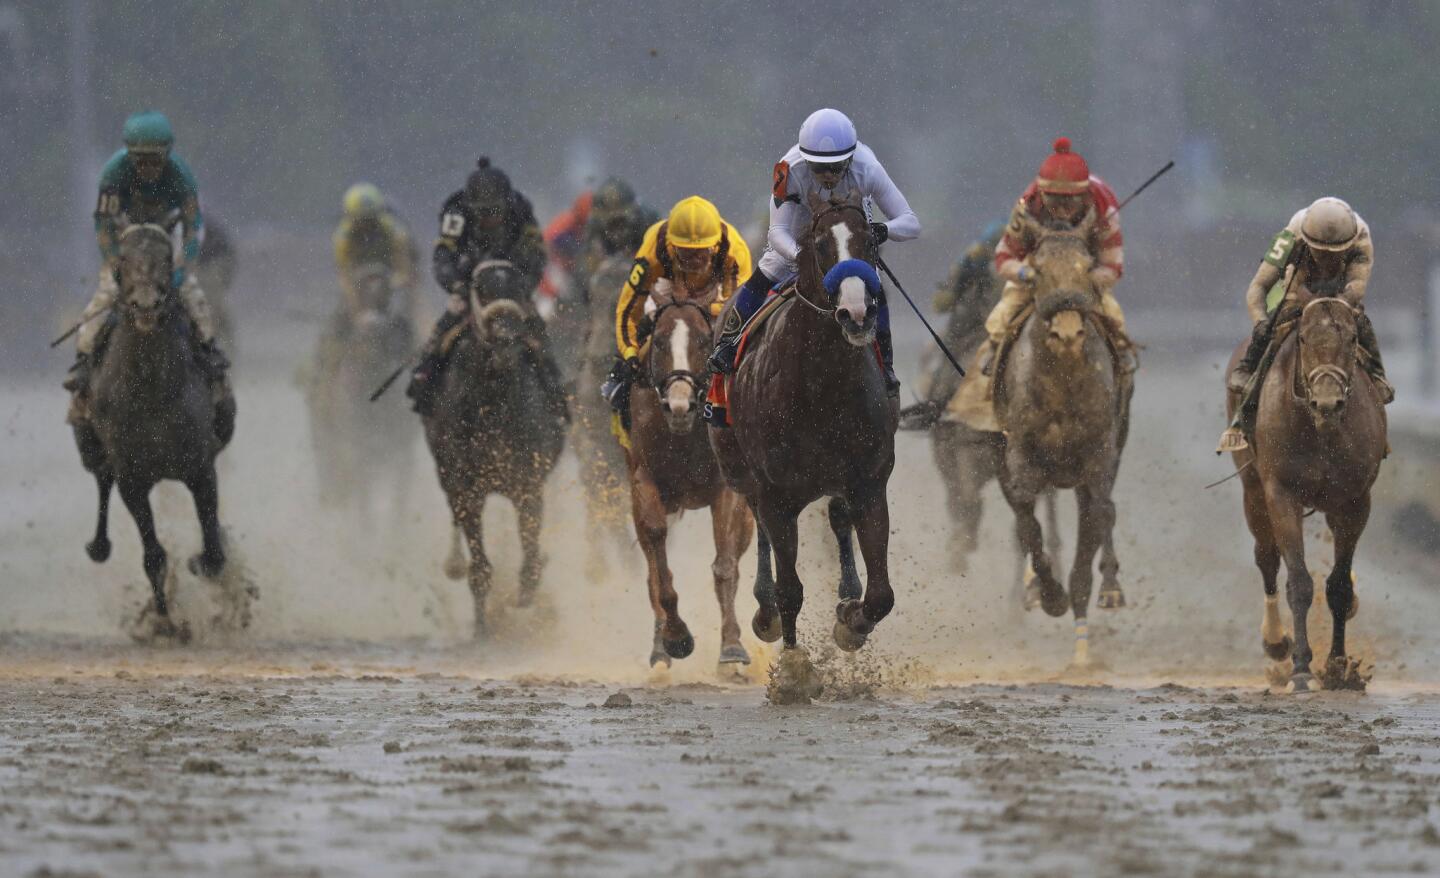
1279	651
680	648
98	550
766	626
1054	602
1032	596
846	639
456	568
1110	599
209	568
1302	683
658	657
734	654
1344	673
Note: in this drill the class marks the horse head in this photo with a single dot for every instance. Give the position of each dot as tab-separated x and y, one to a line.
1327	339
839	237
1063	292
147	261
679	343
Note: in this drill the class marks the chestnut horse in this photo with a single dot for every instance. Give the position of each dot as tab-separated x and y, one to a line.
672	469
811	419
1319	439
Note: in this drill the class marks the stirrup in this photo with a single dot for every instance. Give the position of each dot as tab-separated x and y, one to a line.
1232	440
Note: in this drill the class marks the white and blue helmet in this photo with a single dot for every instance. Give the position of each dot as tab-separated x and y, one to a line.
828	136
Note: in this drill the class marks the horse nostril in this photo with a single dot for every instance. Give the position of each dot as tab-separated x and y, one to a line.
1314	404
1339	404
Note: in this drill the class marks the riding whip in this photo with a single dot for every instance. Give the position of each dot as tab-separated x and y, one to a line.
1143	186
943	349
76	328
380	391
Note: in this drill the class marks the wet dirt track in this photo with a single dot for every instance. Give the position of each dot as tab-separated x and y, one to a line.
351	730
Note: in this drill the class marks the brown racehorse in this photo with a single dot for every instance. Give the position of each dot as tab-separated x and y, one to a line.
1064	406
811	419
672	469
1318	441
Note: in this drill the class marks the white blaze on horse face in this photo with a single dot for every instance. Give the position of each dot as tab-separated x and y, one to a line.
680	391
852	299
842	235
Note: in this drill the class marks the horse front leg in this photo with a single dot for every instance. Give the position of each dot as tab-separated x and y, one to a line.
1288	525
1273	639
732	526
779	524
136	496
1096	517
672	636
470	520
855	619
1347	525
530	515
842	524
205	491
1044	589
99	548
766	622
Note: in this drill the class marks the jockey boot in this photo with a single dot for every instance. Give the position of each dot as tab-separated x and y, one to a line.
1259	340
887	361
616	387
78	383
1365	335
425	379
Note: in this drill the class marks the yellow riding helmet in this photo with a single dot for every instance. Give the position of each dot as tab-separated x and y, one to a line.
363	200
694	223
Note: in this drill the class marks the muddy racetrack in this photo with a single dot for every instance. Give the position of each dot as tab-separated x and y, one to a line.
351	729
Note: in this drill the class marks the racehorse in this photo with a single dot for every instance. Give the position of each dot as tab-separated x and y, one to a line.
672	469
1064	404
152	414
811	419
1320	434
361	447
492	431
603	473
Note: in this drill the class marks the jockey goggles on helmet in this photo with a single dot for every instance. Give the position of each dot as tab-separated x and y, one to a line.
828	169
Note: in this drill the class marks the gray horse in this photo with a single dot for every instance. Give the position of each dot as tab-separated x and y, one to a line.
492	431
1065	408
152	414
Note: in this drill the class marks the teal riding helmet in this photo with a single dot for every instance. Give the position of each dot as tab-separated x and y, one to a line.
148	131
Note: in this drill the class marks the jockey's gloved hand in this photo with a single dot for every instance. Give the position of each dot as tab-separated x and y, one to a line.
1026	275
879	233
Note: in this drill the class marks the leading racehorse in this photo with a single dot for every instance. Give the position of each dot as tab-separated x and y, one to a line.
811	419
1319	439
153	415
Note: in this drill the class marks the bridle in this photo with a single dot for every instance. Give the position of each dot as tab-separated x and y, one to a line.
165	298
662	385
815	251
1335	371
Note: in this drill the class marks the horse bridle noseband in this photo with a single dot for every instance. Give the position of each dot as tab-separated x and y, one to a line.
814	251
1332	370
698	386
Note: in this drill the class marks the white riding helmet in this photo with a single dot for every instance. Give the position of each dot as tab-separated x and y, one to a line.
1329	224
828	136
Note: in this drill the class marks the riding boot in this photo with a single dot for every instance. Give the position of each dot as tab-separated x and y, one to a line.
748	300
887	361
1365	335
78	383
425	379
1240	376
616	387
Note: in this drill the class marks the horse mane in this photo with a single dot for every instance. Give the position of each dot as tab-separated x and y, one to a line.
1047	307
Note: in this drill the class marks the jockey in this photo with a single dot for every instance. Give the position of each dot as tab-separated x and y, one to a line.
1326	250
969	288
827	161
146	183
1063	197
564	247
371	234
684	256
487	219
617	223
